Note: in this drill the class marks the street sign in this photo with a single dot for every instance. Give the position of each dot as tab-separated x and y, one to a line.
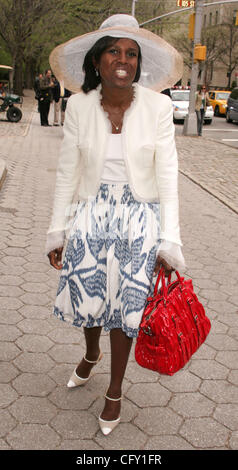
185	3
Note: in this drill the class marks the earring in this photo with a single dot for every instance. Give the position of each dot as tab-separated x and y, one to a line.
97	72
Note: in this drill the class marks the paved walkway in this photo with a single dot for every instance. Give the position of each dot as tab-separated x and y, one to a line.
197	408
212	165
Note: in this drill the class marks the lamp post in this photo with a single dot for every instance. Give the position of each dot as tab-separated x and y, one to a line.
190	123
133	7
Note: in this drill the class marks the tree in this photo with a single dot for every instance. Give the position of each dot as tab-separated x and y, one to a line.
184	45
90	14
222	46
51	29
229	39
30	29
18	20
215	48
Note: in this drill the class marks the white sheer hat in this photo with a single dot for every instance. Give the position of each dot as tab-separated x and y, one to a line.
162	65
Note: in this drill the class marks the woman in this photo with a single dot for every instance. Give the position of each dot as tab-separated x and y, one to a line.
201	103
119	156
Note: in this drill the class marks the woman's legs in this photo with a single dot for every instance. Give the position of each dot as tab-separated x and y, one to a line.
92	337
201	123
120	350
198	113
200	116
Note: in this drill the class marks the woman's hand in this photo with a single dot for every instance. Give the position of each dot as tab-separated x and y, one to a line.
161	262
55	257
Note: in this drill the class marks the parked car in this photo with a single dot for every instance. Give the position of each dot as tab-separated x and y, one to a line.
232	106
218	100
180	99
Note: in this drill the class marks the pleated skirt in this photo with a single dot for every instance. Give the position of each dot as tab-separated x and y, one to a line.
109	261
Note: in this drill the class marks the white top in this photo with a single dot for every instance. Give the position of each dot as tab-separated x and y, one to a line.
114	170
203	98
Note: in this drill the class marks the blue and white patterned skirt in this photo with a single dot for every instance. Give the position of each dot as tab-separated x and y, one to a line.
109	260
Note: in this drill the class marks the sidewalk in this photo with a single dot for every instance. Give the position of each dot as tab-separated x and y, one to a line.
11	129
197	408
212	165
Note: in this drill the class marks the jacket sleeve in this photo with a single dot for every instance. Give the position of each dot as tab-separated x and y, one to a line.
67	179
167	180
172	253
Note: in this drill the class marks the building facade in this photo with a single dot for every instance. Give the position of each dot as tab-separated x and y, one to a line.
220	32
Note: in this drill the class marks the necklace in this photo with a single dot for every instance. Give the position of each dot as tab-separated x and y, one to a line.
117	127
109	110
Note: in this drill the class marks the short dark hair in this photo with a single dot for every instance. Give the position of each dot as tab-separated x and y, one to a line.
91	80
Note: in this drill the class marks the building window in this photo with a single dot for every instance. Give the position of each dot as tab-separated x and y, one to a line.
210	18
204	20
216	18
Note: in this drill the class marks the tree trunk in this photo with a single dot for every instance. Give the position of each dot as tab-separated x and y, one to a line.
18	73
229	79
30	72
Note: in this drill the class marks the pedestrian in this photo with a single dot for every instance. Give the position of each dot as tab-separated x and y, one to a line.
201	103
37	89
66	94
57	100
119	154
37	85
45	86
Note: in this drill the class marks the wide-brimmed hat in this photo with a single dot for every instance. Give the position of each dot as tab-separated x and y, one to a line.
162	65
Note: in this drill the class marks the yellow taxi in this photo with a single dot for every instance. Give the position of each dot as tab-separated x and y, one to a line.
218	100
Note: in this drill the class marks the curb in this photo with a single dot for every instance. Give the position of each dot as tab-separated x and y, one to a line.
3	172
211	139
222	143
195	179
212	192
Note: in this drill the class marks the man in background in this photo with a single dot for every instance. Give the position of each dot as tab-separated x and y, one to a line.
46	86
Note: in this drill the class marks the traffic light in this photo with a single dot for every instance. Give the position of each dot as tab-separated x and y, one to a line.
200	52
191	26
236	20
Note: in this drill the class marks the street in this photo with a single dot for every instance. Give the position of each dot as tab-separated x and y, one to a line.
219	130
197	408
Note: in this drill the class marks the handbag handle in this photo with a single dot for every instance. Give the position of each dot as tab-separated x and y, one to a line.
161	276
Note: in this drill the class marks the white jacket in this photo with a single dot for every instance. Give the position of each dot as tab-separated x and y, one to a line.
149	151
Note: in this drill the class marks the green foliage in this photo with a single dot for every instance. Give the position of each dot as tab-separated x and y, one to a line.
5	56
30	29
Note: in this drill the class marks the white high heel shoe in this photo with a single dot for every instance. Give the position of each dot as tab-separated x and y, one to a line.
75	380
108	426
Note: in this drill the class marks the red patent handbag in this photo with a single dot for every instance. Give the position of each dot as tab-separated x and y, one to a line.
173	326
